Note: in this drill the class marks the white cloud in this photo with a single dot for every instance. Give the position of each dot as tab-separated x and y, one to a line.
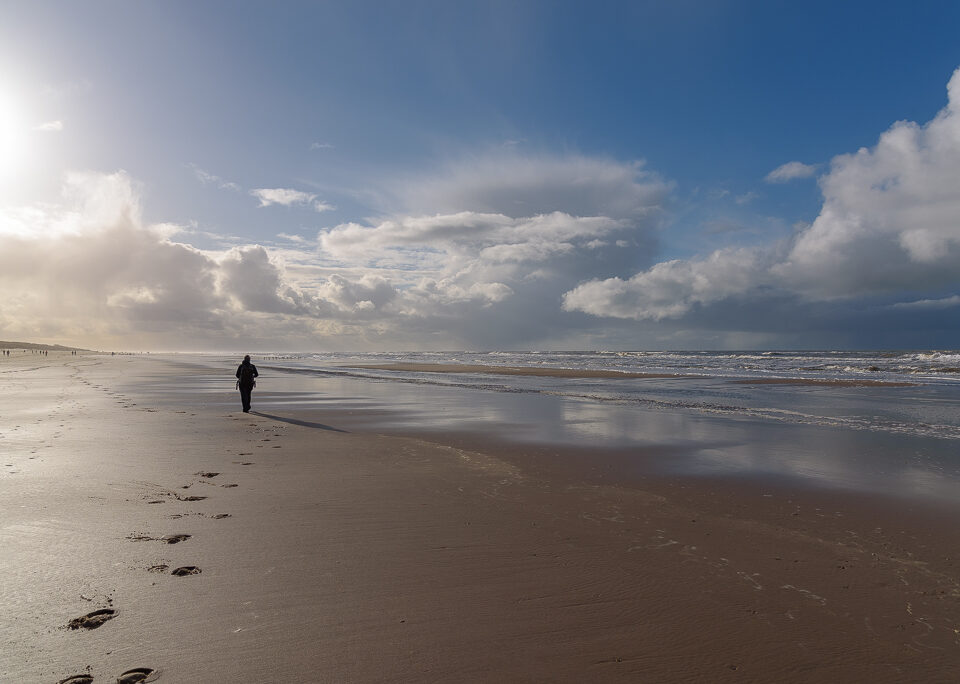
320	206
790	171
49	127
670	288
292	238
321	146
889	224
891	214
283	196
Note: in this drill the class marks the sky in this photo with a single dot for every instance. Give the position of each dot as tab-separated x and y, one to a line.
345	176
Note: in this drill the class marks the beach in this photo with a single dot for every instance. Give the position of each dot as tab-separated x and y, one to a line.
312	544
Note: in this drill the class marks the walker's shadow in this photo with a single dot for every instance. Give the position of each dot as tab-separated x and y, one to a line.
294	421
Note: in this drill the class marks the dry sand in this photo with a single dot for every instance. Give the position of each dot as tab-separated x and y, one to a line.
313	555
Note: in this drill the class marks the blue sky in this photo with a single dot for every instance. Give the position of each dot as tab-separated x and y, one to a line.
399	175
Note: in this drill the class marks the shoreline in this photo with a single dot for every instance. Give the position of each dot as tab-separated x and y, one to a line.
352	556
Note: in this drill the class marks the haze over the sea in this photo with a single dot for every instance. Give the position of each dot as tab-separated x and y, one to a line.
480	175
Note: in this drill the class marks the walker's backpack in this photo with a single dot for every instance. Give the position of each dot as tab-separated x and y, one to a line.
246	375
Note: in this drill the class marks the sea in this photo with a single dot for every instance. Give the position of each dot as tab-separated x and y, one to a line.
898	433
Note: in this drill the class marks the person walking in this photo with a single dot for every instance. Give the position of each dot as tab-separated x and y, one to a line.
246	374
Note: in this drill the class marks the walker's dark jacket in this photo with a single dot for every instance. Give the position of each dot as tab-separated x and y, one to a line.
255	374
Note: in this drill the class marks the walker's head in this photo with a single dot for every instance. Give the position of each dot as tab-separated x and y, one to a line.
246	358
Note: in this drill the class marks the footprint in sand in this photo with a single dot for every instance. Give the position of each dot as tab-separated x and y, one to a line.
203	474
92	620
190	498
77	679
186	570
169	539
220	516
137	675
163	567
137	536
230	486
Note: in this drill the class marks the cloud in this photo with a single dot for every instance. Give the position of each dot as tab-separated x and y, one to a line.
889	220
292	238
282	196
944	303
89	269
288	198
467	256
522	186
321	146
466	235
669	289
92	266
251	279
49	127
499	258
889	227
790	171
208	178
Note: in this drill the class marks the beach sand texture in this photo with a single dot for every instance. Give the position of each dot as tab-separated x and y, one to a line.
306	554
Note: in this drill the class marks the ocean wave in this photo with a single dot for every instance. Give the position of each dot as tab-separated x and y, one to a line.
924	366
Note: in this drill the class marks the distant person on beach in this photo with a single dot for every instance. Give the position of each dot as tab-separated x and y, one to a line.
246	374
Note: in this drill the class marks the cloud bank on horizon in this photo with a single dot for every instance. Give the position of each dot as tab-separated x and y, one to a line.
546	248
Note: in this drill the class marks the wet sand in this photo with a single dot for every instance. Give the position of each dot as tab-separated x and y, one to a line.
204	544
